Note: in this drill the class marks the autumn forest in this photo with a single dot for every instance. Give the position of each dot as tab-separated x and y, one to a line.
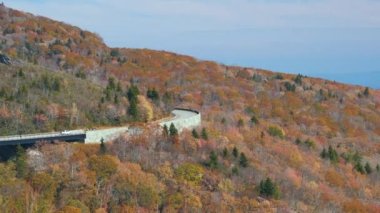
269	142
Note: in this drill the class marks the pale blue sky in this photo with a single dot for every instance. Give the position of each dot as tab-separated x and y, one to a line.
335	39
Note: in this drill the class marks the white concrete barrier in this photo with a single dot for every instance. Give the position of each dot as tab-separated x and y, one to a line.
184	119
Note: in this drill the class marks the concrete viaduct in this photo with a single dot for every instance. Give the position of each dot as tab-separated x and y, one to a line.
183	119
70	136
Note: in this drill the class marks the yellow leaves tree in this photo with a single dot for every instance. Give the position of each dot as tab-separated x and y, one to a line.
146	109
190	173
135	187
45	186
104	166
226	185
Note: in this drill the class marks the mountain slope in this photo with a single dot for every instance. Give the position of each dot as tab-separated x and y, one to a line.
311	137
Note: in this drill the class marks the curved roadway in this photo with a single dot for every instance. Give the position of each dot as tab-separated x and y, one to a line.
183	119
179	114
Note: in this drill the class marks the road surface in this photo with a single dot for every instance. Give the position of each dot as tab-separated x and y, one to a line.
183	119
41	135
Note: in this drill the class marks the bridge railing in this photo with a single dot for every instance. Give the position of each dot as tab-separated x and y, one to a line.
186	109
40	135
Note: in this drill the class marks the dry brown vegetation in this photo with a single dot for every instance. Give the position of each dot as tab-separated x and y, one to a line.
296	117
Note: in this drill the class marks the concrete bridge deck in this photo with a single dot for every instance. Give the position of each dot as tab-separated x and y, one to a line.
182	119
68	136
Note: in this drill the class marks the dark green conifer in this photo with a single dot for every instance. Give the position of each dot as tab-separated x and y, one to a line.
195	133
132	110
173	131
359	167
213	163
235	152
298	141
243	160
132	93
269	189
225	153
324	153
333	155
102	148
254	120
366	92
368	168
235	170
204	134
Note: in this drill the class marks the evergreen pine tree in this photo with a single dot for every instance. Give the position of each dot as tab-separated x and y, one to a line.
102	147
243	160
235	170
378	167
213	163
359	167
152	94
155	95
366	92
149	93
223	121
173	130
298	141
240	123
254	120
132	110
225	153
298	79
357	158
111	83
268	188
323	153
368	168
132	93
195	133
204	134
235	152
333	155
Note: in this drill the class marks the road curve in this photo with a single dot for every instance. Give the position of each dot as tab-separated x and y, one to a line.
183	119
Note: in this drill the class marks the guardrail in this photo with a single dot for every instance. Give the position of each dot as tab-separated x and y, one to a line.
185	109
192	121
189	122
40	135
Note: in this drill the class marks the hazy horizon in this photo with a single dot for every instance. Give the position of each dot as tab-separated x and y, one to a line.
334	39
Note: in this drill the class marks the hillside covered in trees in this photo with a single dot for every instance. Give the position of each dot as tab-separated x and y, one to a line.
268	142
